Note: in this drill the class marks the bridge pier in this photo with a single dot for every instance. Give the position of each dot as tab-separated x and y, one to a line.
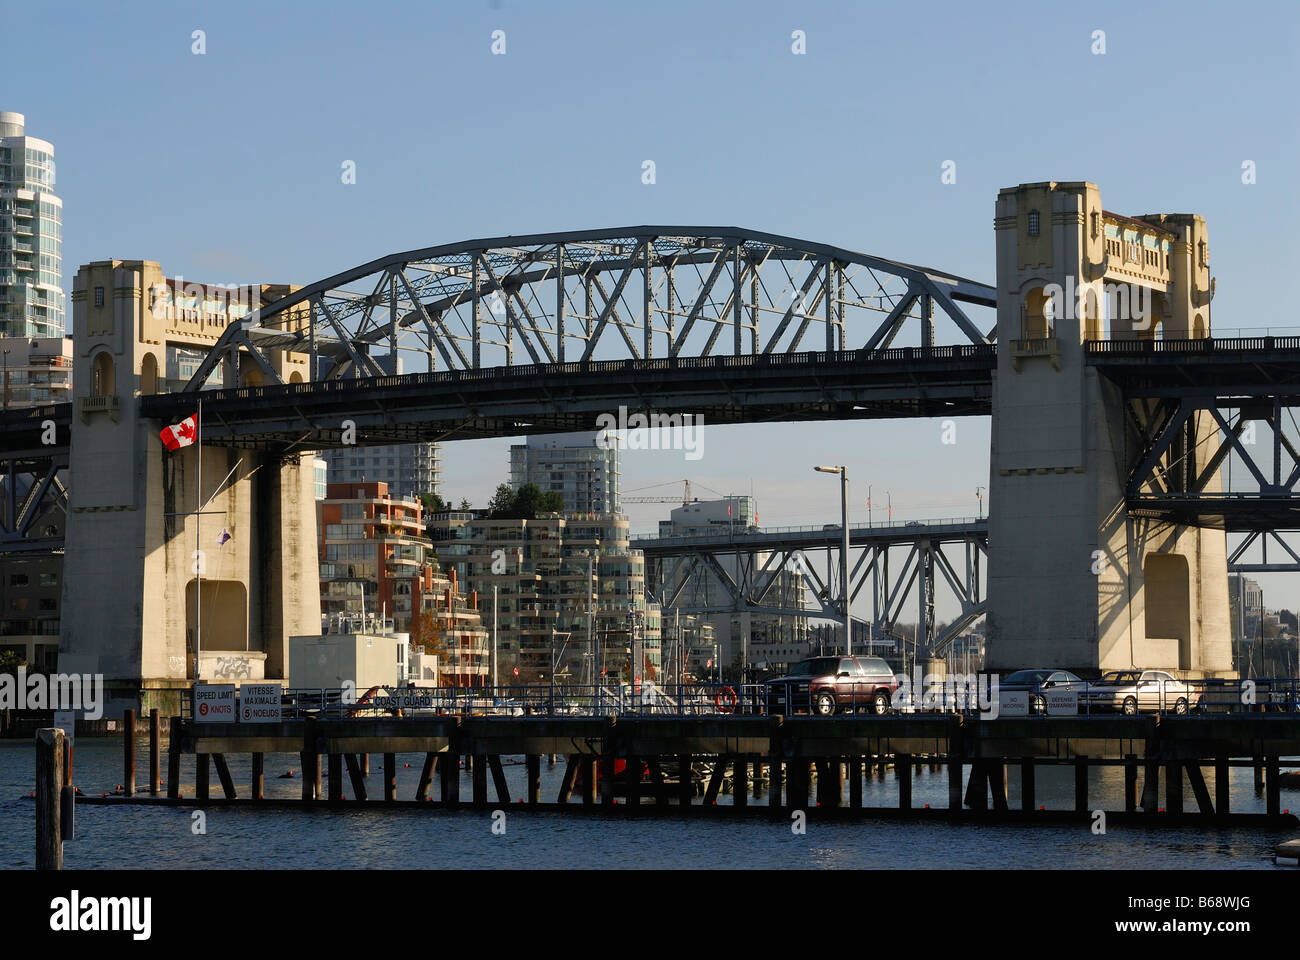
1111	590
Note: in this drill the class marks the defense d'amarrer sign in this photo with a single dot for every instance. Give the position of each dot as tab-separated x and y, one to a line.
259	702
214	702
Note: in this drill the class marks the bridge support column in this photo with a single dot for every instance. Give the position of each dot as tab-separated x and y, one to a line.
1070	570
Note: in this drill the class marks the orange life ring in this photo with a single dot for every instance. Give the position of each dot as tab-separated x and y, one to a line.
725	700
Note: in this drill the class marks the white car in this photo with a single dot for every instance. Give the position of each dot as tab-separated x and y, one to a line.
1141	691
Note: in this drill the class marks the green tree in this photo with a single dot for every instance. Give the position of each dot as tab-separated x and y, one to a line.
434	503
502	504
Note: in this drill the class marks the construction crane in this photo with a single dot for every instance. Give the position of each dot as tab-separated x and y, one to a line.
686	496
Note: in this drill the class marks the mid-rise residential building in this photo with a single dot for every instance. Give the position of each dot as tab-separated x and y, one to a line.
582	467
32	303
35	372
463	644
373	552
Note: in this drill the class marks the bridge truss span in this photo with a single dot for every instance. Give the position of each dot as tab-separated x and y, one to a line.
890	567
637	293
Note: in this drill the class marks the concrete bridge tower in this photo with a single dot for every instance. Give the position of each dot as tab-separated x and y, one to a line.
129	595
1074	581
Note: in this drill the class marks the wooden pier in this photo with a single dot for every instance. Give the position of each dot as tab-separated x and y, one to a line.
770	763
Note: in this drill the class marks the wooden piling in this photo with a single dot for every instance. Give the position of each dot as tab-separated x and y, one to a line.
1199	790
533	768
478	778
715	781
775	756
1174	786
449	762
174	758
1151	778
128	753
997	774
903	771
49	798
336	777
588	781
365	764
1130	783
223	774
498	778
426	775
201	777
258	776
855	783
1080	784
685	780
155	757
354	774
570	774
1273	801
758	777
607	748
977	797
740	782
1222	789
390	777
1028	800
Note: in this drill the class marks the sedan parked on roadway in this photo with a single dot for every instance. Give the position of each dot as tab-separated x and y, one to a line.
1036	682
826	685
1141	691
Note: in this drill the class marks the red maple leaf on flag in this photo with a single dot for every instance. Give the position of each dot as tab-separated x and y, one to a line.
186	429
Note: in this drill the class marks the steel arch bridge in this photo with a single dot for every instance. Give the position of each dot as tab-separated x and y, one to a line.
632	293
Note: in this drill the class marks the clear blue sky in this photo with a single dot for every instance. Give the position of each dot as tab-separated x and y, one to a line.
225	167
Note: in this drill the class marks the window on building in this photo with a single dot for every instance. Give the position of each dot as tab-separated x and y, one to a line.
17	579
1033	223
99	296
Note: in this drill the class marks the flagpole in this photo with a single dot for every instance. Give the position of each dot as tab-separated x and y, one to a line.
198	542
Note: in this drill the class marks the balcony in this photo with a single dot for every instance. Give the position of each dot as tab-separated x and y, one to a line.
1049	347
87	407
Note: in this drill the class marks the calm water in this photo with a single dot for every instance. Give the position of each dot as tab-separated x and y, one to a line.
135	837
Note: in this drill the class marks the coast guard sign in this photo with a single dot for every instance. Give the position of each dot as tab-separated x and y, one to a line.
214	702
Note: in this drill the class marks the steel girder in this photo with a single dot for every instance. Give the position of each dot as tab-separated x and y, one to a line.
1189	405
1182	473
35	501
778	573
1237	562
628	293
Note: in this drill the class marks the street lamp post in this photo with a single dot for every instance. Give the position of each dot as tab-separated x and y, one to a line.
844	553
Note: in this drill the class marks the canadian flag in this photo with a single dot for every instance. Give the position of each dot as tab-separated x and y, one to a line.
181	434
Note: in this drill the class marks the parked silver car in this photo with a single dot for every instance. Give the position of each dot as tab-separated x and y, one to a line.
1141	691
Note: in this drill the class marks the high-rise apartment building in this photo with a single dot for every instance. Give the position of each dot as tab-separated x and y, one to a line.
409	469
573	465
31	236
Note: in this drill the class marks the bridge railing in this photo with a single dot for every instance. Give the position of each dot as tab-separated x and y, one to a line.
1138	345
741	532
534	370
971	695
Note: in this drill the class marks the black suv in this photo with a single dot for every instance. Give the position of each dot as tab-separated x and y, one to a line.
827	685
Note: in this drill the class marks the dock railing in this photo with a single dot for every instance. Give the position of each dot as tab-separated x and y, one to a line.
973	694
